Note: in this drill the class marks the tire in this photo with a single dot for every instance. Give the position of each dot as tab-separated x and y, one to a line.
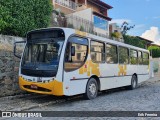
134	83
91	89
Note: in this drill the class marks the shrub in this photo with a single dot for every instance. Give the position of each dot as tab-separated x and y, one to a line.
81	28
20	16
116	35
155	51
135	41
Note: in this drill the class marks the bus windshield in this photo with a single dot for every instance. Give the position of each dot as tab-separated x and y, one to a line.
42	56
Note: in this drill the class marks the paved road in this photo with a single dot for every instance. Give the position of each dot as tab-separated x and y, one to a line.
145	98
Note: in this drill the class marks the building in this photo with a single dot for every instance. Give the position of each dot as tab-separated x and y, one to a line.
113	27
147	41
115	30
86	15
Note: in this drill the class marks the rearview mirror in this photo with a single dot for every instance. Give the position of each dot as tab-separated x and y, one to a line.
18	48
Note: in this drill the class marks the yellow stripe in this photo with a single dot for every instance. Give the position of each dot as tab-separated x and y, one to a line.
81	33
55	86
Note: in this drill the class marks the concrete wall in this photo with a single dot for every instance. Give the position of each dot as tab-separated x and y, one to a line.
101	32
8	66
85	14
80	19
155	65
94	7
63	9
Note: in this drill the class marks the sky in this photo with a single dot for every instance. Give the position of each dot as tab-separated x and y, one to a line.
144	14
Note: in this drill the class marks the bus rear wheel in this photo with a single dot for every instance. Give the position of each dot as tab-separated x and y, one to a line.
91	89
134	83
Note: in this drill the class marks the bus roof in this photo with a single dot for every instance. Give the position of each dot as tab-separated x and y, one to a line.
91	36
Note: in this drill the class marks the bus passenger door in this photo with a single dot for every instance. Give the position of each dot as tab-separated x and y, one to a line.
75	58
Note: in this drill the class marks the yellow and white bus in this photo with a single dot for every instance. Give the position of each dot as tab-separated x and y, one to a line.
64	61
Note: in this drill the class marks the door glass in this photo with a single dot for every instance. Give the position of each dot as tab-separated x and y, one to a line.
73	62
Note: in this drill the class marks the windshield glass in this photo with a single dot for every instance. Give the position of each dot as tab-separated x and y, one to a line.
42	53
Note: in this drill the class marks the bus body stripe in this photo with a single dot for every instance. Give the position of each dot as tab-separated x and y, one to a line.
106	77
55	86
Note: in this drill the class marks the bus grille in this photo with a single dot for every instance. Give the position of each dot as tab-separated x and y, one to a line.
38	88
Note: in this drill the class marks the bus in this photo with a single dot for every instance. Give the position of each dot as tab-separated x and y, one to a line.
67	62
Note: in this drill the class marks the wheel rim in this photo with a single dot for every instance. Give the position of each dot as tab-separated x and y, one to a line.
92	89
134	82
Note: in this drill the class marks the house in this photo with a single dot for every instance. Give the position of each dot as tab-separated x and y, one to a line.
86	15
147	41
115	32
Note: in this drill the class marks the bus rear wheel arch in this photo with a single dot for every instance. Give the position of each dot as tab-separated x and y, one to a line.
134	82
91	89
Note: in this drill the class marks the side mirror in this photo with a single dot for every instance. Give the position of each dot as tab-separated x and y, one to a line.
73	51
18	48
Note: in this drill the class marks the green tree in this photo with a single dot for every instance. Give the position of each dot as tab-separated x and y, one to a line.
116	35
81	28
135	41
155	50
125	27
17	17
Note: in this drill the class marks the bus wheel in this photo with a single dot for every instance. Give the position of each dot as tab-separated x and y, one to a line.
134	82
91	89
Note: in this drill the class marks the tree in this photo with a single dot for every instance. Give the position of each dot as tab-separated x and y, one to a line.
116	35
125	28
134	41
17	17
155	51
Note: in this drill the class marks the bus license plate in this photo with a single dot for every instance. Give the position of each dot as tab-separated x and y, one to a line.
34	87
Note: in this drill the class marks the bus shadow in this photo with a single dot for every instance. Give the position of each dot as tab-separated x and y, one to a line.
51	99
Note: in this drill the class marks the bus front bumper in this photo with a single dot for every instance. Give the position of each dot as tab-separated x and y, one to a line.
52	88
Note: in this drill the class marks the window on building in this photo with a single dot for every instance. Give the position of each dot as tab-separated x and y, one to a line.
133	57
140	57
100	23
97	51
111	54
123	55
145	58
75	61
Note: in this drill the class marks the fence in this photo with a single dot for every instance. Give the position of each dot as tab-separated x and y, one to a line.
75	22
67	3
80	24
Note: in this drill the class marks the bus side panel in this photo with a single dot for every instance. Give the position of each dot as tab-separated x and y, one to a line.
125	75
74	83
142	78
143	73
114	75
107	83
107	75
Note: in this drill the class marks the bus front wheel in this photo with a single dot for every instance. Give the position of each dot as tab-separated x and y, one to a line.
91	89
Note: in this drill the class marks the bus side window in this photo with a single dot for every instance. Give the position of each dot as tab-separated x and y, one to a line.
97	51
133	57
73	62
145	58
111	54
123	55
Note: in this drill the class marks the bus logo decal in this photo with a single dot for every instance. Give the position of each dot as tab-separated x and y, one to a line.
90	68
122	70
